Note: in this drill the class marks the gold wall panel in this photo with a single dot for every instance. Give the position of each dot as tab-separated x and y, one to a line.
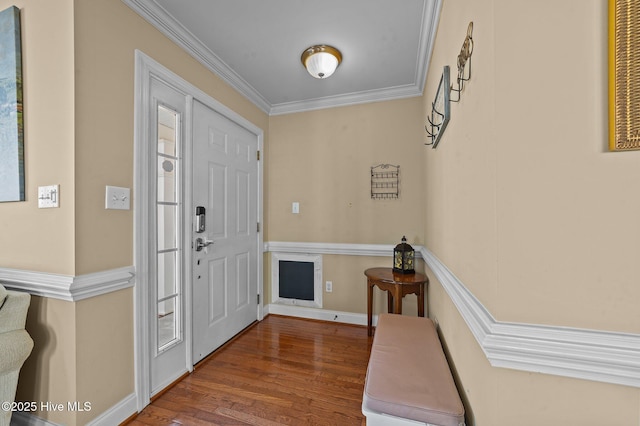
624	75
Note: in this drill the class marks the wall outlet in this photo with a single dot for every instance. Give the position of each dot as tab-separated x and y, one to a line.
117	198
328	286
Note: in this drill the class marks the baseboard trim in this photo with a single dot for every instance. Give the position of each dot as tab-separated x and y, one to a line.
319	314
113	416
68	287
603	356
20	418
118	413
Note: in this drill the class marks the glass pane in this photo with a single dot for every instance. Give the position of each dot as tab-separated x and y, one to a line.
167	280
168	233
167	126
167	227
166	179
166	147
167	322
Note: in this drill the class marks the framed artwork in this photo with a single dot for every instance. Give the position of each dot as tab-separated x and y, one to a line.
11	118
624	75
440	109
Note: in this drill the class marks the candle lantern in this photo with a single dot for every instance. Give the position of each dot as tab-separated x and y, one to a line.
403	258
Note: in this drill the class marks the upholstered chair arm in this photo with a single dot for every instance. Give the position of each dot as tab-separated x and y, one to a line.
13	314
15	347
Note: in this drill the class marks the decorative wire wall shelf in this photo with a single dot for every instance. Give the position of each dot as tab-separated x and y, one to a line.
385	181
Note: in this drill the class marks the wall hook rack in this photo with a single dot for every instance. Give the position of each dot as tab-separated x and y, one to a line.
440	110
385	182
464	63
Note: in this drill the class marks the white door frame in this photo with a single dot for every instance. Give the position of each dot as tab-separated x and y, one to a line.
145	69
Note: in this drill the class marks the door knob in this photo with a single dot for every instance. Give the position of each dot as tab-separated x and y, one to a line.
202	243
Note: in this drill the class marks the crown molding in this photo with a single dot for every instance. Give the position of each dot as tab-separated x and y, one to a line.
603	356
431	18
431	15
356	98
67	287
167	25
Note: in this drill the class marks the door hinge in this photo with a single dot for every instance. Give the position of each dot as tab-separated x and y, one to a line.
258	297
258	227
258	155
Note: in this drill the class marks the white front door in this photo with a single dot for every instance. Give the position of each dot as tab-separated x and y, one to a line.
225	248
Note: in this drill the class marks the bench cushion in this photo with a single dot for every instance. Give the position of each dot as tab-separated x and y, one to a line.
408	375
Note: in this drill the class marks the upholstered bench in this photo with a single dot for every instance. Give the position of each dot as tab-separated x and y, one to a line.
408	380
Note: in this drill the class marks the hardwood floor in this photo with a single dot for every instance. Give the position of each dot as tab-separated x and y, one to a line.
280	371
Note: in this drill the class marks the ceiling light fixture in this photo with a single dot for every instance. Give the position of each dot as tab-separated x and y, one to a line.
321	60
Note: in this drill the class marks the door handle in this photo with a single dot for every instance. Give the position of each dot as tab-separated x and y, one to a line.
202	243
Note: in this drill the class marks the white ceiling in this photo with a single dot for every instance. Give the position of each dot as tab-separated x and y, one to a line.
255	46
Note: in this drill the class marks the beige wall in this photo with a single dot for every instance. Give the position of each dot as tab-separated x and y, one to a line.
524	205
49	374
79	76
42	239
107	33
527	207
105	370
322	159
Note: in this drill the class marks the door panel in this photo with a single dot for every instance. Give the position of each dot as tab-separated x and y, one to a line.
218	209
217	290
225	182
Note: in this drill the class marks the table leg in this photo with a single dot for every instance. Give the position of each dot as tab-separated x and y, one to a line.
369	307
389	302
397	300
421	301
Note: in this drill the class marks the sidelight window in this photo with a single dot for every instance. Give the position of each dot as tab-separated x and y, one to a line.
169	250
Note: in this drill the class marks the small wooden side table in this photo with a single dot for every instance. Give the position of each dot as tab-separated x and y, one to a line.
396	286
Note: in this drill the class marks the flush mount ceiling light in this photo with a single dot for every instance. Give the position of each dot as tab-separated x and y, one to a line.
321	60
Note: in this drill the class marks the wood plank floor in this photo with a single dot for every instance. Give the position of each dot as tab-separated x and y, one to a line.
280	371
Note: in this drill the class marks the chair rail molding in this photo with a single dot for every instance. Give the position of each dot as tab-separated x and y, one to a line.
68	287
330	248
603	356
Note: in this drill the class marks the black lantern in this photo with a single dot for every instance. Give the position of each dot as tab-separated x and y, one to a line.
403	257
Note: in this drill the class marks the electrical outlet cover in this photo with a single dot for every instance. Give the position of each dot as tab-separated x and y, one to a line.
117	198
329	286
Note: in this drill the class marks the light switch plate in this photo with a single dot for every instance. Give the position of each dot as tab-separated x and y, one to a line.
117	198
295	207
48	196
